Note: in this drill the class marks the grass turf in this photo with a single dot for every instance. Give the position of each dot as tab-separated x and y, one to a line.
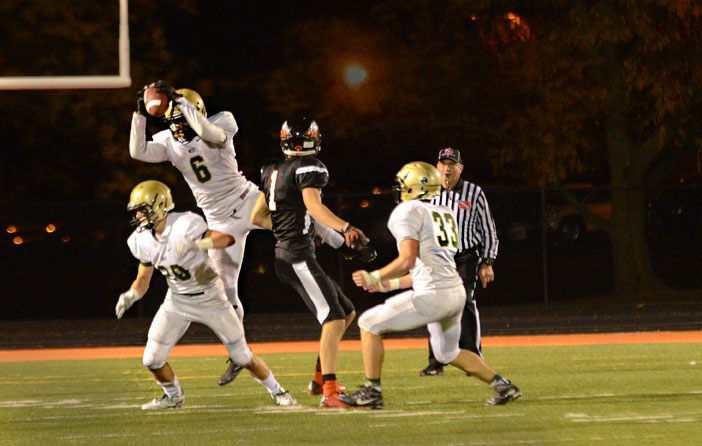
603	395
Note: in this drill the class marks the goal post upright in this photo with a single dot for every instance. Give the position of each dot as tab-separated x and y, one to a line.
122	80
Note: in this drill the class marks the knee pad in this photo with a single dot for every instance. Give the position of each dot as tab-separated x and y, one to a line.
240	353
445	357
155	355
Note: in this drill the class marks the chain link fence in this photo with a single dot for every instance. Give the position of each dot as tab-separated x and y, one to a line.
71	261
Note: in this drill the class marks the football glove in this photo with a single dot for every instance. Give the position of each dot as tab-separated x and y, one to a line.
125	301
354	237
362	253
164	87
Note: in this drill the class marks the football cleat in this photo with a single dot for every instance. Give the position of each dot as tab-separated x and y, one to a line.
368	396
165	402
284	398
433	370
314	388
230	375
503	395
334	402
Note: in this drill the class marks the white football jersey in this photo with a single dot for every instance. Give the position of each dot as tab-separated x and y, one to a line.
159	251
210	170
435	229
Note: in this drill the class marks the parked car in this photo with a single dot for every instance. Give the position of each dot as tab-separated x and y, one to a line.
565	219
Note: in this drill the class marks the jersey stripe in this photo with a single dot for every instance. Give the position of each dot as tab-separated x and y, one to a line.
306	169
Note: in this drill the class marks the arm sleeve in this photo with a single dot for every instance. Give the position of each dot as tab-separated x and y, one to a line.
486	228
328	235
201	125
139	148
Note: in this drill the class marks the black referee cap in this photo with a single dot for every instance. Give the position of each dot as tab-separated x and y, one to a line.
451	154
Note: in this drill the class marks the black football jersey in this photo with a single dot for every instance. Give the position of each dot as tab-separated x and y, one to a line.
282	182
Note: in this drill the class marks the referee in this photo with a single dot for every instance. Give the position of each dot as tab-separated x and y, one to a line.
477	246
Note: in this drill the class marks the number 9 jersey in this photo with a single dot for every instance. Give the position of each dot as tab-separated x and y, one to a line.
434	227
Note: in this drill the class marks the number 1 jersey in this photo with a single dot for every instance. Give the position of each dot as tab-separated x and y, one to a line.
282	182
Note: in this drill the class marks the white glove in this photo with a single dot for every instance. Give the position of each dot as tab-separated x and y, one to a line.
125	301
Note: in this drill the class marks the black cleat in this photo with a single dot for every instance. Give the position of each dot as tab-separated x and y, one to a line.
433	370
230	375
504	394
368	396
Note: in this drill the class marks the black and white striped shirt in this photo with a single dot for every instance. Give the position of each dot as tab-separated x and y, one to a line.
476	228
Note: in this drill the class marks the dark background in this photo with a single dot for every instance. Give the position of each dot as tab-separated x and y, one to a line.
454	73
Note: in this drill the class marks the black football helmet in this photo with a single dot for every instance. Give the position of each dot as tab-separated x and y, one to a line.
300	137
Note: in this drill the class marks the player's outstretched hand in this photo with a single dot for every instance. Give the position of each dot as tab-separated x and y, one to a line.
166	88
354	237
185	246
125	301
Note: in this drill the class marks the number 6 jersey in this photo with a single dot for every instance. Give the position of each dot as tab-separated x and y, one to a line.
434	227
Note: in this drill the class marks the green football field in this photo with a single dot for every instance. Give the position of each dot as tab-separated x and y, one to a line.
638	394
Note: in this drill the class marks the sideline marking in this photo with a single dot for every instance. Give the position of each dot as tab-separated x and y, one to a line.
652	337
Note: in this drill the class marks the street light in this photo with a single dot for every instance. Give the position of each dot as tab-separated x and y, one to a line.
355	75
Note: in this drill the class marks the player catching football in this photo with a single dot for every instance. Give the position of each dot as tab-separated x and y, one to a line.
195	292
427	240
202	149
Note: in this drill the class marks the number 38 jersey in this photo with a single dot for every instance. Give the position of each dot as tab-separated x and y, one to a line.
181	273
434	227
282	182
211	171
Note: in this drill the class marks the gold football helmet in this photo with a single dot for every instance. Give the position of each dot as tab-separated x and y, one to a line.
176	121
416	181
149	203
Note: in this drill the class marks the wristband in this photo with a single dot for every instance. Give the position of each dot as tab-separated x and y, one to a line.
372	278
393	284
204	244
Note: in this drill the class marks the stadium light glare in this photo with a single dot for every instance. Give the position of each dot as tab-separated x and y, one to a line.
355	75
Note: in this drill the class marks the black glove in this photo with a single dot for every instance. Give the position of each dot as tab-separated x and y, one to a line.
141	107
362	253
164	87
354	237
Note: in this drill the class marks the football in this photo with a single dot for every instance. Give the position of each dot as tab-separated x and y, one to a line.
156	102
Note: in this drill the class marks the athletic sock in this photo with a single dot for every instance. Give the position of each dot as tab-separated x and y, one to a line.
172	388
318	372
371	382
330	386
270	383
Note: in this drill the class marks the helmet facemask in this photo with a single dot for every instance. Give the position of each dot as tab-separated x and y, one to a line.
149	203
180	129
300	137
